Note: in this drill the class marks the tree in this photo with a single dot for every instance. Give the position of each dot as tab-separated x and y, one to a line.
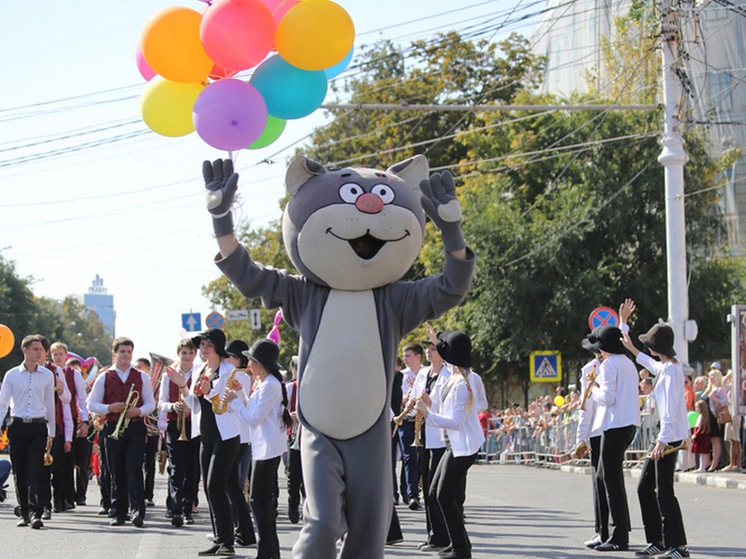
16	309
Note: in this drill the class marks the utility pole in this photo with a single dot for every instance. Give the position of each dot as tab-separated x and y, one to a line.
673	157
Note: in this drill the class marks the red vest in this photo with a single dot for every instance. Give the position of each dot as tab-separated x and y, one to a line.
70	378
58	417
173	397
116	391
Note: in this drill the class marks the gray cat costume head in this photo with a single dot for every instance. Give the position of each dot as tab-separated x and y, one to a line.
354	228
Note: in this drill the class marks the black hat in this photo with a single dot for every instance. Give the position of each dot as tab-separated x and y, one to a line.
266	353
215	336
590	342
609	339
659	339
236	349
454	348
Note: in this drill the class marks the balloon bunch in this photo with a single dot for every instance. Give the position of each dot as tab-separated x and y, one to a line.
189	60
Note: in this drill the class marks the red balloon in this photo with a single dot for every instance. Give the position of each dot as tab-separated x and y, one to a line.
219	73
237	34
280	7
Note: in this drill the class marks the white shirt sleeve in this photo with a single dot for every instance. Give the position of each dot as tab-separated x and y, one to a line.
96	397
148	400
80	394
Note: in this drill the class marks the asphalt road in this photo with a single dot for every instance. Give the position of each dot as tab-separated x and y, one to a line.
512	511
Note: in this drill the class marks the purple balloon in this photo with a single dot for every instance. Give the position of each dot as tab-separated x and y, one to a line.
230	114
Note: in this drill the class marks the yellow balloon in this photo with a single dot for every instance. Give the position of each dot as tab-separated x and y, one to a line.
7	340
171	46
166	106
315	35
559	401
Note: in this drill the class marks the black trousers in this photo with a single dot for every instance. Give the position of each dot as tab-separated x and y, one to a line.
27	443
444	490
600	505
409	460
124	458
151	449
83	449
104	478
614	444
263	480
56	473
183	468
429	458
295	479
217	458
68	471
661	514
239	506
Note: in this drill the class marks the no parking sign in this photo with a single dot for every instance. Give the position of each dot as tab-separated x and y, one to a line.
603	316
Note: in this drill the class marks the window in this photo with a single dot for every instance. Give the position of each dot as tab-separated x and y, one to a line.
720	91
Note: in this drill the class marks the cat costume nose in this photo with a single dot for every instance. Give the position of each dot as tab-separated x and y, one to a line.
369	203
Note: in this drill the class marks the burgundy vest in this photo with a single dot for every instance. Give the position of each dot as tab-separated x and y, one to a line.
173	396
58	417
70	378
291	405
116	391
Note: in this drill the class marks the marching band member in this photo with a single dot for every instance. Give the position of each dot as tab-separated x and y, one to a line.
83	447
79	414
456	416
661	514
615	392
268	417
220	434
294	470
124	395
28	390
182	447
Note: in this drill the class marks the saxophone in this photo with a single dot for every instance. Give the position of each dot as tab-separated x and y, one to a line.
48	452
220	404
587	392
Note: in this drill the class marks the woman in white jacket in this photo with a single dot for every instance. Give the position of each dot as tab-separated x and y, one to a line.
456	417
268	417
661	514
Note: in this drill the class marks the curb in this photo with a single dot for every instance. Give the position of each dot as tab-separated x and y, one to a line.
718	479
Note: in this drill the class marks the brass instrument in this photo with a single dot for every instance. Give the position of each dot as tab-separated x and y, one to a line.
587	392
199	380
122	422
219	402
181	421
581	451
48	452
162	457
671	449
157	367
417	428
98	421
399	419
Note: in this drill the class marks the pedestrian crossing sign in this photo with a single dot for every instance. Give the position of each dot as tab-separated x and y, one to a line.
546	366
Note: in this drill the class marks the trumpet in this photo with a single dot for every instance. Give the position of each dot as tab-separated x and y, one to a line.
181	421
670	449
220	403
98	421
122	422
48	452
399	419
580	451
587	392
417	428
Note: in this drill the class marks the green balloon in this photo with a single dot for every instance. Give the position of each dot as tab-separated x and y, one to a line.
692	416
272	131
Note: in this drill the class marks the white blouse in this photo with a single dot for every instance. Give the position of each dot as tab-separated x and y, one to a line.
264	416
459	419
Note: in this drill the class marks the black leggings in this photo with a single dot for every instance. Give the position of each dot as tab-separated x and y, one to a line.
217	458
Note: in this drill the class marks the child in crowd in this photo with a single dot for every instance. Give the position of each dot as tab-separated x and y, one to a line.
701	438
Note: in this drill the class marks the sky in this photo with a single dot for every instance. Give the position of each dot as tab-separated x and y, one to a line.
86	188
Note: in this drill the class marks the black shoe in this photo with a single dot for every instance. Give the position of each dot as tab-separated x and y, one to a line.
169	513
457	555
69	506
676	553
609	546
649	551
17	510
103	511
36	523
188	519
414	504
137	521
293	515
396	500
46	515
429	547
23	521
149	503
177	520
116	521
594	543
394	542
80	502
220	550
241	542
445	551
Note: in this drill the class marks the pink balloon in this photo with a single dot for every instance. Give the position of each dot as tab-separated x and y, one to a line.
237	34
218	73
145	70
279	8
182	333
230	114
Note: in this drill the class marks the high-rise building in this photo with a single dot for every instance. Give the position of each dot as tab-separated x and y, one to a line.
100	301
711	70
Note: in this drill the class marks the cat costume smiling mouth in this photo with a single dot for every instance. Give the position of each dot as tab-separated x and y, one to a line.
367	246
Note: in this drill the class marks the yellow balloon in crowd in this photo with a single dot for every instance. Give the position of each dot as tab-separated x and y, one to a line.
315	35
559	401
166	106
171	45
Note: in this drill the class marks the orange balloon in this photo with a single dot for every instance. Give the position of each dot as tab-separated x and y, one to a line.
171	46
7	340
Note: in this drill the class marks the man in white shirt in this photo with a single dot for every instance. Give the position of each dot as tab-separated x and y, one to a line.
125	447
412	355
28	390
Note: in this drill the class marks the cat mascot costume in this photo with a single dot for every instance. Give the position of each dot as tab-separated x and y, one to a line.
352	233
